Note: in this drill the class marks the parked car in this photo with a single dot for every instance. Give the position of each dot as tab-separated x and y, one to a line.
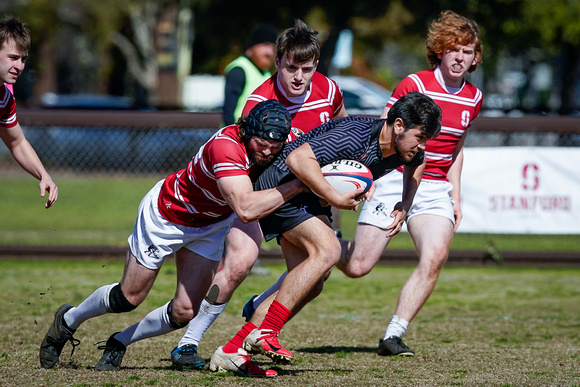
361	96
205	93
86	101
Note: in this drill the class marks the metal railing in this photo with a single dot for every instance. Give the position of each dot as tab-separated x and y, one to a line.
160	142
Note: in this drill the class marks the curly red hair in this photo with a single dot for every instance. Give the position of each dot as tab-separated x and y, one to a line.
451	30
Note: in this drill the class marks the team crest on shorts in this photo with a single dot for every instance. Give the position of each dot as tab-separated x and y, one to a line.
152	251
380	209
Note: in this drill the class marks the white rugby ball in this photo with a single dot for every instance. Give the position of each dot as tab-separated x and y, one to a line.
347	176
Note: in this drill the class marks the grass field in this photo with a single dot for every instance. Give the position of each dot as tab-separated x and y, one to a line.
102	210
483	326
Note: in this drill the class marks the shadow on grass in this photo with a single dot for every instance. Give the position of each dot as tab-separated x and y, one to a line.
331	349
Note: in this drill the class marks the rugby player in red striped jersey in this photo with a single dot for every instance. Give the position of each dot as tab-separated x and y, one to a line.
454	49
14	45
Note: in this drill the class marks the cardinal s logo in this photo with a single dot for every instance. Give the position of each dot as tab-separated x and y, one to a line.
531	179
465	118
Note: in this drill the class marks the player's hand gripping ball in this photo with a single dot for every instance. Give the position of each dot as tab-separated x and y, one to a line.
347	176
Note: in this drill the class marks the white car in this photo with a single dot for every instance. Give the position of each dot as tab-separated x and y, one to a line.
205	93
361	96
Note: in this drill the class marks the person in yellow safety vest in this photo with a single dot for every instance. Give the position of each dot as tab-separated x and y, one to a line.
249	71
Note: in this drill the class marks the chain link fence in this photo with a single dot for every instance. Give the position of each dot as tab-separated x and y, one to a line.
88	150
72	143
161	144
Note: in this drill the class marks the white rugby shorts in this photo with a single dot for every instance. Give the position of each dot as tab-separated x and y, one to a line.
154	237
432	198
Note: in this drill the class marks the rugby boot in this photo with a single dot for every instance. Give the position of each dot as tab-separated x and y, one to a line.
239	363
55	339
394	346
113	355
186	357
265	341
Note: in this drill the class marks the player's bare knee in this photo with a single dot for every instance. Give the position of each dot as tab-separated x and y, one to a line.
239	263
236	273
356	271
431	266
439	256
358	266
359	261
326	262
437	265
179	315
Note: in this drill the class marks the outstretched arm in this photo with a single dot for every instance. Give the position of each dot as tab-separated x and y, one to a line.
252	205
25	155
454	176
411	179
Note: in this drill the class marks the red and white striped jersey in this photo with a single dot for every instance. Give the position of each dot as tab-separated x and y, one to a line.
191	196
7	108
459	111
317	106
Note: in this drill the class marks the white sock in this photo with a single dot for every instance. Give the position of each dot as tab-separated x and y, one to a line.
206	316
397	327
271	290
95	305
156	323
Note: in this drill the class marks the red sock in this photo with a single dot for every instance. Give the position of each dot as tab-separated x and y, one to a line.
276	317
237	341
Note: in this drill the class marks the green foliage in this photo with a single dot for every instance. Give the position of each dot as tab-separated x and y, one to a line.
556	21
85	27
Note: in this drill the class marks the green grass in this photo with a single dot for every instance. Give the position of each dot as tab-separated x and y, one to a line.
93	211
482	326
102	210
467	241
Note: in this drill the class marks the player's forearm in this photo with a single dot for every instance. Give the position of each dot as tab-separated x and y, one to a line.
411	180
25	155
259	204
454	176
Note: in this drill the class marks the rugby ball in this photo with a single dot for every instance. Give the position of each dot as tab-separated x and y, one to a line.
347	176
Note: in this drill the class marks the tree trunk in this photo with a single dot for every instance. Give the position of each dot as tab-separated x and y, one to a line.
570	56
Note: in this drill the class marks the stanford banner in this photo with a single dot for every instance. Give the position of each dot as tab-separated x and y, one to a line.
521	190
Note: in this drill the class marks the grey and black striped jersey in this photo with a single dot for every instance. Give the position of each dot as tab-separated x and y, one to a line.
349	138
